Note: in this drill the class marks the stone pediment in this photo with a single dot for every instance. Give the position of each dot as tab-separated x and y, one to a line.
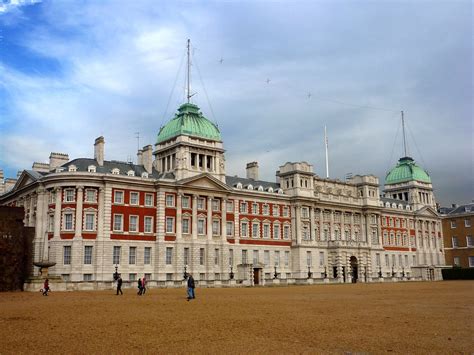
204	180
427	212
25	179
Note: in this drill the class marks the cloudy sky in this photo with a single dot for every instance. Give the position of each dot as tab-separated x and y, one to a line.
73	70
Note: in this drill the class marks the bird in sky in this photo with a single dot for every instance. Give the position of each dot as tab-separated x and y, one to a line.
309	95
221	60
268	81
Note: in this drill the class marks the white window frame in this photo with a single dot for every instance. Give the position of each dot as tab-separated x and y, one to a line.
469	241
244	208
216	205
87	227
149	200
229	206
134	195
69	195
266	230
148	224
278	234
169	225
456	261
286	211
132	255
116	254
216	227
147	256
286	232
187	224
256	224
470	261
201	203
467	222
169	256
118	197
185	202
276	211
118	215
66	222
453	224
130	218
244	232
229	229
90	195
455	242
201	226
266	209
169	200
255	209
67	254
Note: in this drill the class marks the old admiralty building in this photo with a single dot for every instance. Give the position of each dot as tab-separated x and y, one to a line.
177	211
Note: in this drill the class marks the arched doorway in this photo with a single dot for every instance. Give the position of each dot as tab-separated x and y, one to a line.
354	268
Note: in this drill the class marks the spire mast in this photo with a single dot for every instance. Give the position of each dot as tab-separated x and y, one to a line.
188	95
326	146
404	136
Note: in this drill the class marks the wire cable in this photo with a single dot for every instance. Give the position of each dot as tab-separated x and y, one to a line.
393	148
204	89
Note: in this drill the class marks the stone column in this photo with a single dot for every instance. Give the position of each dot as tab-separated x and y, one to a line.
312	224
100	245
209	218
32	209
297	219
348	268
352	232
224	220
41	220
57	213
194	221
79	203
331	226
179	212
339	268
321	224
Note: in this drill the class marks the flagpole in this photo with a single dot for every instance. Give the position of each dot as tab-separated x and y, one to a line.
326	146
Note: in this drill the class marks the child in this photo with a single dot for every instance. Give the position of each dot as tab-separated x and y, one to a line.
46	287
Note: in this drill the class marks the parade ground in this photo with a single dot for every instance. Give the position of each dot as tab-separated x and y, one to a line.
408	317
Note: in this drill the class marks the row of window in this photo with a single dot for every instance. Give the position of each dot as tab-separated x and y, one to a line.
469	241
90	195
133	223
403	260
134	198
68	221
265	210
467	223
89	249
457	261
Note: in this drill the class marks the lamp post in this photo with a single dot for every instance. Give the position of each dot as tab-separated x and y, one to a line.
365	273
116	274
403	272
380	272
275	275
310	274
325	273
185	274
393	272
231	274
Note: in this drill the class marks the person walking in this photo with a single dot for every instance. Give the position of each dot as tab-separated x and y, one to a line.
140	287
191	287
46	287
119	285
143	285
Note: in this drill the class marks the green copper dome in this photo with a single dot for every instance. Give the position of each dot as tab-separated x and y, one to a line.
189	121
406	170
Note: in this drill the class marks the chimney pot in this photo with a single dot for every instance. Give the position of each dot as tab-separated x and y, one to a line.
252	170
99	146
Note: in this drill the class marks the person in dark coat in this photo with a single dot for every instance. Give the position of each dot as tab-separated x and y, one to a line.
46	287
119	285
143	285
140	287
191	287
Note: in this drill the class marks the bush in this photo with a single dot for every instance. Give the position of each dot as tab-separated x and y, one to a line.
458	274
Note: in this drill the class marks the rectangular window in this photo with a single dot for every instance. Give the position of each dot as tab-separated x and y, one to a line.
457	261
231	256
255	257
169	225
132	277
90	195
202	256
469	241
276	211
132	255
467	222
254	208
377	259
286	232
147	256
414	260
255	230
453	224
169	276
200	203
387	261
216	205
321	258
185	202
243	207
169	200
116	255
266	210
186	256
134	198
216	227
394	260
88	254
90	222
471	261
406	260
304	212
51	223
266	231
148	225
229	206
185	226
244	229
244	256
133	226
455	242
287	258
148	200
169	256
200	225
286	211
276	231
118	222
229	229
277	258
308	258
266	257
202	276
118	196
216	256
67	255
87	277
69	195
68	226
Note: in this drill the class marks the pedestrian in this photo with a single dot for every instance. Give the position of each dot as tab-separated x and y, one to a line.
140	287
46	287
143	285
190	287
119	285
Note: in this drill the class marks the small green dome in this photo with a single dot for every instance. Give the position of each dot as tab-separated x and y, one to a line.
406	170
189	121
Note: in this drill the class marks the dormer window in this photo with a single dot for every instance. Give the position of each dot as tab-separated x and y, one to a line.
115	171
91	169
145	175
72	168
59	170
280	191
130	173
249	187
270	189
260	188
239	185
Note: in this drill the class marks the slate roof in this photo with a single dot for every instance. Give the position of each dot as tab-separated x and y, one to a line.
462	209
393	200
232	181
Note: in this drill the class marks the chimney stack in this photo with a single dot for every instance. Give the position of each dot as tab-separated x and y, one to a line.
57	159
252	170
147	158
140	157
99	150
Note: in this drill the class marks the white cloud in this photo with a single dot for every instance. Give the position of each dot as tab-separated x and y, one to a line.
10	5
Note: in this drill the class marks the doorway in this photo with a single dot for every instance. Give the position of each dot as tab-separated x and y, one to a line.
256	276
354	267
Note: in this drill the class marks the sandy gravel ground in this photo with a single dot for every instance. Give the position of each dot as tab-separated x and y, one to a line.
415	318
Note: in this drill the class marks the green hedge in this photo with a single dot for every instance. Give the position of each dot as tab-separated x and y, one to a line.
458	274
